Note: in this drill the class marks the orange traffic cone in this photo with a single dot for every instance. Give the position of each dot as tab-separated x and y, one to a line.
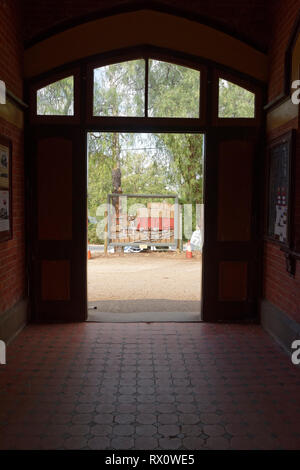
89	253
189	253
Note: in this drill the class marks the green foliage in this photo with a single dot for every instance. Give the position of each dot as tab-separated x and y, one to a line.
153	163
173	90
119	89
234	101
186	161
150	163
57	99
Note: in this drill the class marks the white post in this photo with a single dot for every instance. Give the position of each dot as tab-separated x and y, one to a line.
2	92
2	352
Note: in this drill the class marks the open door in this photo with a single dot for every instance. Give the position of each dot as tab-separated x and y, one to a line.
231	277
57	225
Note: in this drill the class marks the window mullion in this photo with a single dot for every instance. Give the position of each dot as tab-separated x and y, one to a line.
146	85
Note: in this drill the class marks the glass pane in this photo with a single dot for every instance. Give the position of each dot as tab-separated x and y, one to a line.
174	91
119	89
235	101
57	99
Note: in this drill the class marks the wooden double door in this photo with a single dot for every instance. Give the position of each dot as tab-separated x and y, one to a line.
57	215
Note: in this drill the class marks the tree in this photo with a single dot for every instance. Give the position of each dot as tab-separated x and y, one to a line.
173	90
235	101
145	169
57	98
119	89
176	163
146	163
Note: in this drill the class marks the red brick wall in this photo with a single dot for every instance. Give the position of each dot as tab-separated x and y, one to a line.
279	288
11	46
12	253
284	14
249	18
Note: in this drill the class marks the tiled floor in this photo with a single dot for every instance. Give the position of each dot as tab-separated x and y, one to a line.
148	386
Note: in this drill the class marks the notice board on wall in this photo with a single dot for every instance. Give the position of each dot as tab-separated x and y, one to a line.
280	169
5	189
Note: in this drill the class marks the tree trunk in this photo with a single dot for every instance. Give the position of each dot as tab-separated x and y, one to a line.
117	188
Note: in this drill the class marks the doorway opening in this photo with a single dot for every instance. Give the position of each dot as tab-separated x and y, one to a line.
145	226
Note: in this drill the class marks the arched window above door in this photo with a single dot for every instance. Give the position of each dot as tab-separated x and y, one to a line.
235	101
173	90
146	88
57	98
119	89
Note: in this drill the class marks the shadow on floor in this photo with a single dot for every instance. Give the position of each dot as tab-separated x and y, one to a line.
144	310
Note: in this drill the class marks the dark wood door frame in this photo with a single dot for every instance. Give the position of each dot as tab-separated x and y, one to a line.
163	130
83	122
216	250
41	250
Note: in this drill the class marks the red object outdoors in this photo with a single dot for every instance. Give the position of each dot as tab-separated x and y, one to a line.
189	253
148	223
89	251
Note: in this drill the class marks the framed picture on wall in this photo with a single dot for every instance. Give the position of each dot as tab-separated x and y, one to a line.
5	189
280	165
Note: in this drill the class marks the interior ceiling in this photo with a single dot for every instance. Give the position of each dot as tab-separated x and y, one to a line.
248	19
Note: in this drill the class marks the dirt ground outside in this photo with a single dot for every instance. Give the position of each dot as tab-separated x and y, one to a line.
145	282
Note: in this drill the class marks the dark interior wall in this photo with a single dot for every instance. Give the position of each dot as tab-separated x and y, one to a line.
284	15
251	20
280	289
11	45
12	252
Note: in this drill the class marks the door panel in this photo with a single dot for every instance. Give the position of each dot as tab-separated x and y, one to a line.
54	172
58	215
231	273
55	280
233	281
235	190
